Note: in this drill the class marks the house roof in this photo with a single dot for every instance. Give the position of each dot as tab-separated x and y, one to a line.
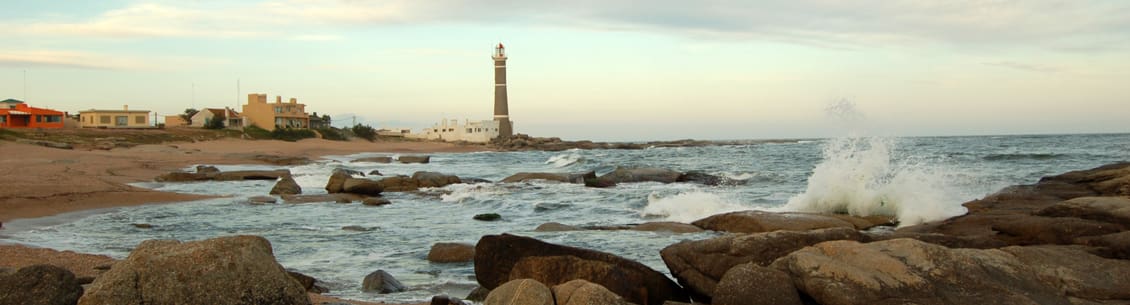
114	110
12	101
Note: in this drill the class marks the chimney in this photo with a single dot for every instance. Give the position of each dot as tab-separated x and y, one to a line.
278	99
293	100
125	107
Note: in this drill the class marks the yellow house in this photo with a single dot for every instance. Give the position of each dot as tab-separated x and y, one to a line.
175	121
275	115
123	118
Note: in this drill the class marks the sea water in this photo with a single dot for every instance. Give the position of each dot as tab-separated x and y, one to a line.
911	179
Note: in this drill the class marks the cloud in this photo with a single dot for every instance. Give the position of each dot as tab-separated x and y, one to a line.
96	61
1024	67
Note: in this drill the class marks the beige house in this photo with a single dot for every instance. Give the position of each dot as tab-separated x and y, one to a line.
124	118
175	121
231	118
274	115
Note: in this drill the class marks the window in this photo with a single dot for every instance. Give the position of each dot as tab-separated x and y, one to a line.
39	119
3	119
54	118
121	120
278	109
139	119
105	119
469	130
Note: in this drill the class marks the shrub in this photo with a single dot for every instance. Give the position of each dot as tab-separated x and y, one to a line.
291	135
215	123
365	132
257	133
331	133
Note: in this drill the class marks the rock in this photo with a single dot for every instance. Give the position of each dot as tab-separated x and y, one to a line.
225	176
753	284
758	221
667	226
381	159
336	184
206	169
433	179
362	187
708	179
1114	210
451	253
559	270
473	180
445	300
376	201
555	227
262	200
948	241
479	294
350	172
907	271
487	217
645	174
39	285
577	178
600	182
337	197
1074	271
357	228
700	264
1117	245
381	282
520	292
225	270
308	282
582	292
497	255
399	184
282	160
286	185
1035	230
414	159
142	226
375	173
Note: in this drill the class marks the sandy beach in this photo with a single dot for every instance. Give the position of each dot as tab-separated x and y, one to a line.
40	181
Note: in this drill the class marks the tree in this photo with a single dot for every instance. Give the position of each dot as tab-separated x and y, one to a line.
188	113
365	132
216	122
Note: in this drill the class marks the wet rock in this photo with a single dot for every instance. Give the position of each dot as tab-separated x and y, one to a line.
317	198
362	187
433	179
451	253
667	226
308	282
555	227
262	200
381	159
375	173
753	284
414	159
357	228
758	221
700	264
399	184
282	160
39	285
645	174
206	169
1114	210
908	271
224	176
600	182
473	180
582	292
948	241
1035	230
445	300
381	282
479	294
225	270
577	178
1117	245
142	226
497	255
336	184
350	172
287	186
708	179
520	292
487	217
376	201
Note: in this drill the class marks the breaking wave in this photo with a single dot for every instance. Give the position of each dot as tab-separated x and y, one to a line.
688	207
565	160
860	176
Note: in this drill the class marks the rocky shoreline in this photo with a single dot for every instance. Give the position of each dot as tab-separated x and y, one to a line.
1063	240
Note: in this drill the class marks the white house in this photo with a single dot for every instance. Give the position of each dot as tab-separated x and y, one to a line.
452	131
231	118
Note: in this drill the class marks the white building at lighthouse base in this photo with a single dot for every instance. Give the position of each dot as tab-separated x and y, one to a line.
453	131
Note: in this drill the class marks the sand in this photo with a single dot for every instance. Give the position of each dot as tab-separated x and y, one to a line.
37	181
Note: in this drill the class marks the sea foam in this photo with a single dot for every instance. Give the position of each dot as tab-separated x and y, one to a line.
688	207
861	176
564	160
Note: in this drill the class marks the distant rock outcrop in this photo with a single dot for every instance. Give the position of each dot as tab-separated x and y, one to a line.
286	186
207	173
577	178
225	270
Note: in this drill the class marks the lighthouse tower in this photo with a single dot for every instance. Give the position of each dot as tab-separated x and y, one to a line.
501	111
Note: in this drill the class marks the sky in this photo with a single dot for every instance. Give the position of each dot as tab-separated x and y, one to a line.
603	70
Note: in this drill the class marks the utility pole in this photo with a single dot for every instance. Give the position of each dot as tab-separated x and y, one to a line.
193	95
25	85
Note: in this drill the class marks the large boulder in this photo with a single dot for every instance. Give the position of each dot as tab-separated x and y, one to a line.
39	285
286	186
399	184
582	292
225	270
708	179
577	178
642	174
451	253
433	179
362	187
381	282
667	226
497	255
1106	209
379	159
700	264
759	221
282	160
753	284
336	184
520	292
313	198
1115	245
224	176
907	271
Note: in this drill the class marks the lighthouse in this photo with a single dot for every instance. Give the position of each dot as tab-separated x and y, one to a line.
501	111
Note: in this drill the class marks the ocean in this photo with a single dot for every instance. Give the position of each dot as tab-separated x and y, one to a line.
913	179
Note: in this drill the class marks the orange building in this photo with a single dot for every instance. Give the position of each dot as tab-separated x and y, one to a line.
16	114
